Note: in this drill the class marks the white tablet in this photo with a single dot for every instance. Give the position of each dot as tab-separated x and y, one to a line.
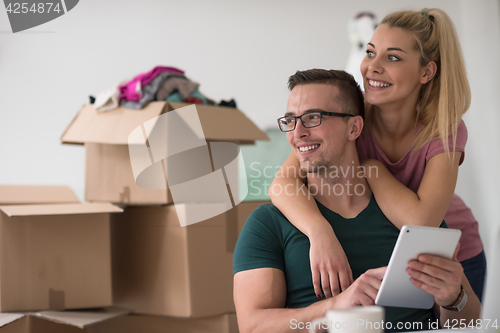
396	288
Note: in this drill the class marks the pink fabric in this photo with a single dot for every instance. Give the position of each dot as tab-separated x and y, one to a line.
409	170
132	90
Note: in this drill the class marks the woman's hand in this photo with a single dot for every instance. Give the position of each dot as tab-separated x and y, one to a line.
329	266
438	276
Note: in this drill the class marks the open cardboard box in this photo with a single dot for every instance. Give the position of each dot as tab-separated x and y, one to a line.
53	256
39	194
111	320
109	174
89	321
225	323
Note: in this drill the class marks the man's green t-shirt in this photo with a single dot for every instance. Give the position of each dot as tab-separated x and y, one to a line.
269	240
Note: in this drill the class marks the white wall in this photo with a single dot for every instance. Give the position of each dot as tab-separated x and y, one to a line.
479	178
244	50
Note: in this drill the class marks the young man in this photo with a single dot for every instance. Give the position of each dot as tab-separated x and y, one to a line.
273	290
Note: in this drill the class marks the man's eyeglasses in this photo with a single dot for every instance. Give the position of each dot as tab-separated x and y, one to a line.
308	119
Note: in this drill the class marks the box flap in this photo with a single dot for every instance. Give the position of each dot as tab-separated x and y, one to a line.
111	127
60	209
114	127
7	318
221	123
82	319
21	194
201	215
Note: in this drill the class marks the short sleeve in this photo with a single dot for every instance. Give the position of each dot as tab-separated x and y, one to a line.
258	244
436	145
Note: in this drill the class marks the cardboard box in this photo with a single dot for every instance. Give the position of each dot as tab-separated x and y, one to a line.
161	268
54	256
95	321
112	320
158	324
22	195
109	173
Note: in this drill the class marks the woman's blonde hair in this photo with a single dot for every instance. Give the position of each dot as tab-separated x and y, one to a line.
444	99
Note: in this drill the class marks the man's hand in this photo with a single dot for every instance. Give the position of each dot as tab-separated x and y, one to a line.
438	276
329	266
363	291
260	298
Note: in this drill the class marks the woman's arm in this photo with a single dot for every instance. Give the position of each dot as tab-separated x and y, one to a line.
429	205
290	194
329	265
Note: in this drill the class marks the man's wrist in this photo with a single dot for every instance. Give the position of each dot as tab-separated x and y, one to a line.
329	304
460	302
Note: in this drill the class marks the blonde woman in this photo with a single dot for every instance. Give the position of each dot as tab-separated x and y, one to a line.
416	91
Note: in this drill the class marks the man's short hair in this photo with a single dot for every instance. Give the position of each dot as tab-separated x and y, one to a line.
350	96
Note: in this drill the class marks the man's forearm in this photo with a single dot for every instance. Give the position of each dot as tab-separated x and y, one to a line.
283	320
469	314
260	298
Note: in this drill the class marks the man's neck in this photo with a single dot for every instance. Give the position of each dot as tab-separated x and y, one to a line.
343	189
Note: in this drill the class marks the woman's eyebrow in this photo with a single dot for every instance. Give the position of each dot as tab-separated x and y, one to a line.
389	48
395	49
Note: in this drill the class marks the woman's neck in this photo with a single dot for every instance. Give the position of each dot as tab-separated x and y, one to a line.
394	121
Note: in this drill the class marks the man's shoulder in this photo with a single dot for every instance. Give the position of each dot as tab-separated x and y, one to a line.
260	241
266	214
266	210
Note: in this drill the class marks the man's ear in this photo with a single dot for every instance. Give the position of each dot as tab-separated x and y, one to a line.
355	127
428	72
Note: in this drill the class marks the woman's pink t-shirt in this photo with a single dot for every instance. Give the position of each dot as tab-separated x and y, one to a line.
409	170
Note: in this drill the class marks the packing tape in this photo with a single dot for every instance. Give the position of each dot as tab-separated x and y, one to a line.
125	194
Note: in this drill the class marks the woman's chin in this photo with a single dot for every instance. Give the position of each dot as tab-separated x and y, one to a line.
370	99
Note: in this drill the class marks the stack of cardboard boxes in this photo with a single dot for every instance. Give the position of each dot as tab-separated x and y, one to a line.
172	278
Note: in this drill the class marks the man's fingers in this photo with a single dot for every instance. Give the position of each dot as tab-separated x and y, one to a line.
372	289
377	273
429	270
367	300
425	287
430	280
437	267
376	280
438	262
370	282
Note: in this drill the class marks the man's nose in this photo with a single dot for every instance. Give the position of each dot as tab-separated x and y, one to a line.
300	131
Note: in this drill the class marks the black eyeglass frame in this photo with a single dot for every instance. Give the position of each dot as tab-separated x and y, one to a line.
322	113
